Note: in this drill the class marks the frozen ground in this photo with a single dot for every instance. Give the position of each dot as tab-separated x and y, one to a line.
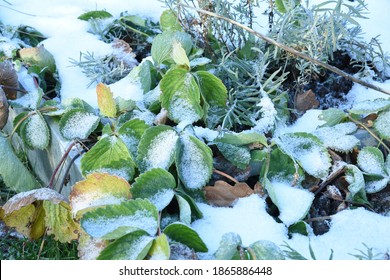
68	36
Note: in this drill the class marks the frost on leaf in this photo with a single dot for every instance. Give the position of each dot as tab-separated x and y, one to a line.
308	151
157	185
35	132
157	148
228	246
181	96
382	124
131	132
97	190
337	137
109	155
239	156
194	162
370	106
266	250
376	171
114	221
78	124
26	198
266	120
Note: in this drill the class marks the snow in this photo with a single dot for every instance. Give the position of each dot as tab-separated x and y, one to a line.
337	138
162	198
68	36
293	203
268	115
100	226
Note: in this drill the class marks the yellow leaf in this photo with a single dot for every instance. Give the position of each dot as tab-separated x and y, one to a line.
160	249
38	227
179	55
106	101
60	223
98	189
21	219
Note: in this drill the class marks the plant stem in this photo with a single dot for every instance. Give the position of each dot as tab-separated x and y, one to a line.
290	50
50	186
225	175
20	122
369	131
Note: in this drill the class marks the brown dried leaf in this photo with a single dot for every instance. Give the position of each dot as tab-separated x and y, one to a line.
4	110
26	198
306	101
161	117
224	194
8	79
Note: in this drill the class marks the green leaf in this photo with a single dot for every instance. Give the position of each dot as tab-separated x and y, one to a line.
30	101
281	166
131	132
160	249
184	210
133	246
35	132
308	150
130	215
163	44
375	183
143	75
332	116
98	189
299	227
9	164
239	156
266	250
382	125
169	21
95	15
77	103
195	211
106	101
194	162
184	234
157	148
157	185
370	160
228	246
109	155
243	138
181	96
124	105
59	221
78	124
212	89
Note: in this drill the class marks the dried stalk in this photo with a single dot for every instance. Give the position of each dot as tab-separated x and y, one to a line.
291	50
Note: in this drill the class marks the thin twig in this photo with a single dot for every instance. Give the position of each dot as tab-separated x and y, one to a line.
291	50
225	175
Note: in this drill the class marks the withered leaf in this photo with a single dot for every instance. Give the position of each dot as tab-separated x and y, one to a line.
26	198
8	79
224	194
4	110
306	101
